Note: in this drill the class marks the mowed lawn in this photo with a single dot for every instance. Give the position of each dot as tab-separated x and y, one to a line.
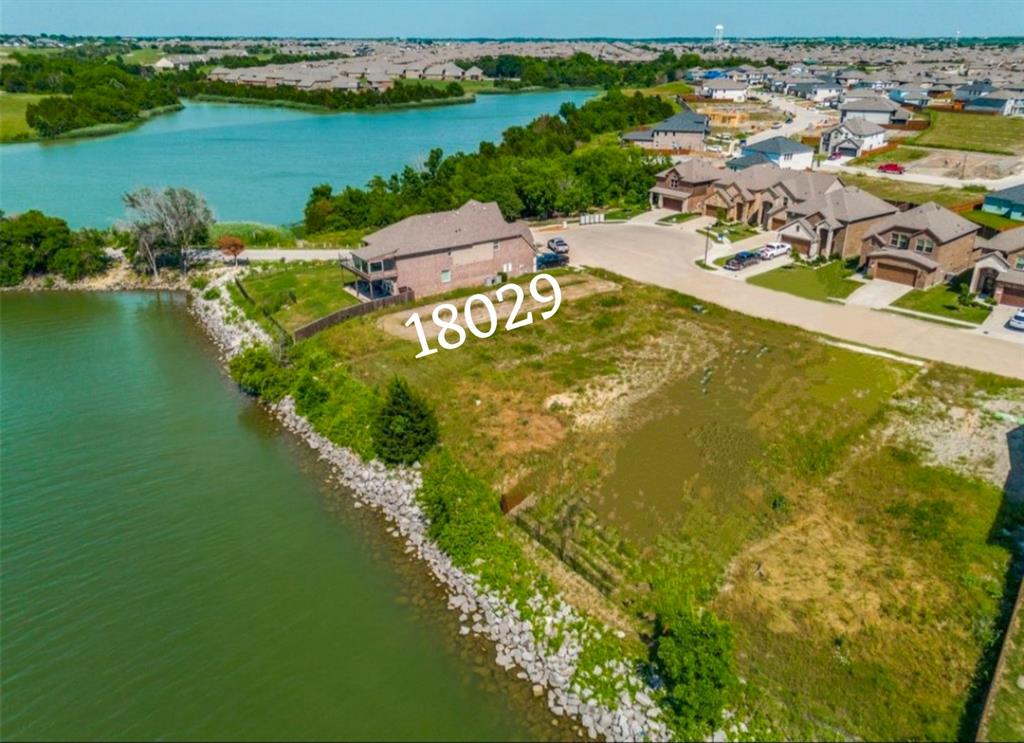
1003	135
299	293
859	580
821	283
943	301
13	126
895	189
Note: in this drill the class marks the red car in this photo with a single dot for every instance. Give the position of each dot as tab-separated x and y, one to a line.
891	168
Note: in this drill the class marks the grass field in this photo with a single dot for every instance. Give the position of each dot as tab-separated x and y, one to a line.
917	193
941	300
255	234
679	218
988	219
142	56
1006	719
820	283
733	231
1002	135
297	293
899	155
13	126
670	455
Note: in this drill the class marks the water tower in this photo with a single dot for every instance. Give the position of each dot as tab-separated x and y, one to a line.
719	34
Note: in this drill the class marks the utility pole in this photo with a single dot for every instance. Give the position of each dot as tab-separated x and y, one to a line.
707	240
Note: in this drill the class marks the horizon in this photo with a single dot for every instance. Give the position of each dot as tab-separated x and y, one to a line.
455	20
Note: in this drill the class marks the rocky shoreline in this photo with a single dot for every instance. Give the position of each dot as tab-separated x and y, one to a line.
519	643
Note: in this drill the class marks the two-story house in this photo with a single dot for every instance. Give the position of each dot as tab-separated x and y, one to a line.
999	271
440	251
685	185
852	138
920	247
833	224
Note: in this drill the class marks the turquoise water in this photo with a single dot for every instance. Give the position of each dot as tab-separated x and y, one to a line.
174	567
250	162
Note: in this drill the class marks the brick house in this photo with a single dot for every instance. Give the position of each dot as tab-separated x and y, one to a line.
762	194
685	185
441	251
920	247
999	270
834	224
685	130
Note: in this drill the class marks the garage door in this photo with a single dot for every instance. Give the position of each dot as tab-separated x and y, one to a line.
1013	296
803	247
676	204
899	274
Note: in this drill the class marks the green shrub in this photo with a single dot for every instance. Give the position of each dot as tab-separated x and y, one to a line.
405	427
199	282
260	374
693	655
211	294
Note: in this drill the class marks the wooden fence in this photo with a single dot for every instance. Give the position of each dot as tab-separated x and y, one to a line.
1011	635
364	308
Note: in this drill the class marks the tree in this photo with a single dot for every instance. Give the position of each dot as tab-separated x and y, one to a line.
405	427
231	246
694	657
167	223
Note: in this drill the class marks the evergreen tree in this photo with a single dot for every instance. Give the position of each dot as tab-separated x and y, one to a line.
405	427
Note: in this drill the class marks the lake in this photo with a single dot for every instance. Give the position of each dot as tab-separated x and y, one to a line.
250	162
175	567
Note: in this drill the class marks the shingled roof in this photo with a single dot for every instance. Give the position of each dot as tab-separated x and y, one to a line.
939	221
844	205
687	120
470	224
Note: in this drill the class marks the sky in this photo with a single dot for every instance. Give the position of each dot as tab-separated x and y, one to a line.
513	18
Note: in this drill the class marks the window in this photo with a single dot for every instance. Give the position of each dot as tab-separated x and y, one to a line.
507	268
674	181
898	240
1019	265
925	245
497	245
446	276
376	266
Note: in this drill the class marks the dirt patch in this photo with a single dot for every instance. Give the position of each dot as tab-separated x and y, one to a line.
823	572
983	439
394	323
967	165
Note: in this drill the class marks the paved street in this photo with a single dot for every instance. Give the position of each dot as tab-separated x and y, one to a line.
993	184
665	256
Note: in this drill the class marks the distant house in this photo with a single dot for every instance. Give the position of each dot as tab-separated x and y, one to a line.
999	272
179	61
1009	202
782	151
685	130
684	186
473	73
833	223
447	71
723	89
920	247
853	138
437	252
817	91
877	110
1000	102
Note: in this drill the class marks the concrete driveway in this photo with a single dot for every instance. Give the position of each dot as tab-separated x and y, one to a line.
652	216
995	326
877	294
665	257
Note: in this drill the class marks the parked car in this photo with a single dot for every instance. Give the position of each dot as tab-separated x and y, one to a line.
777	125
835	155
742	260
891	168
558	245
551	260
1017	321
774	250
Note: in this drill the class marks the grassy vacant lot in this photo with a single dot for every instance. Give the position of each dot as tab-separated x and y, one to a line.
733	231
668	91
917	193
899	155
988	219
941	300
142	56
296	294
830	280
255	234
1002	135
13	126
673	456
679	218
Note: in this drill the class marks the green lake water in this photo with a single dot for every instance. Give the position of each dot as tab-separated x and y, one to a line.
250	162
174	565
